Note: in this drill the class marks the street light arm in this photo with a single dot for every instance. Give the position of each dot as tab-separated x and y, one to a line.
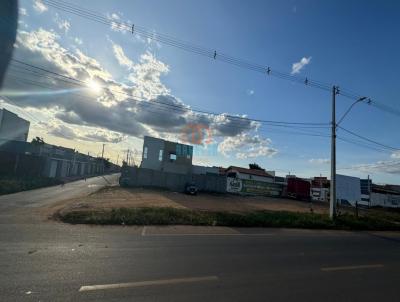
352	105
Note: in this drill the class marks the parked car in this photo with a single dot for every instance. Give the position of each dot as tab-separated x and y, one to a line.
191	188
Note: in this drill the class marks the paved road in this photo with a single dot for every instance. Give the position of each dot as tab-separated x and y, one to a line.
49	261
45	196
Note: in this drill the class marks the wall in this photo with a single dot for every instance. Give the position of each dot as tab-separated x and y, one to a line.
13	127
253	187
253	177
153	148
204	170
20	164
184	154
348	189
140	177
384	200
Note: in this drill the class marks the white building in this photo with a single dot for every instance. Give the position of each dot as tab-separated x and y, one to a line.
12	127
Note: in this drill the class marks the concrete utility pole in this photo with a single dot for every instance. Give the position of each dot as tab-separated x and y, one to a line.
102	152
332	206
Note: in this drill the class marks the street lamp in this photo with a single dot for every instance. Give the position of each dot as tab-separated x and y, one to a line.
335	90
361	99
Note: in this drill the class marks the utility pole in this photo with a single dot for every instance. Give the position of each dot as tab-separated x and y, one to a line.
117	158
102	152
332	206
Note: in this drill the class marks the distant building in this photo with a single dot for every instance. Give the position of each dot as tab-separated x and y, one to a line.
245	173
163	155
12	127
320	187
41	159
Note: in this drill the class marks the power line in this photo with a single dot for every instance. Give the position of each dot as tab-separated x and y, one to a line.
234	125
369	140
163	106
81	83
207	52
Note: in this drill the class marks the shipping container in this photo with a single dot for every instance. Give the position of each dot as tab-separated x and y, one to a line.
298	188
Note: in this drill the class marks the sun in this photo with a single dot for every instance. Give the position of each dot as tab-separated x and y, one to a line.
93	86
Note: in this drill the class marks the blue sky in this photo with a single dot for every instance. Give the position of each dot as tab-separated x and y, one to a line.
353	44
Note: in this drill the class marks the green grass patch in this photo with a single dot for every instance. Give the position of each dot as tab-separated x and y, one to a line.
171	216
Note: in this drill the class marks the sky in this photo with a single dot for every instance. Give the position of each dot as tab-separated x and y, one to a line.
132	84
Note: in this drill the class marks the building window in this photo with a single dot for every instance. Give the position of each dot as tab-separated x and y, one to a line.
145	152
178	150
160	155
172	157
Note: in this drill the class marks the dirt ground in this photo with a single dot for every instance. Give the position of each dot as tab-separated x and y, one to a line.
116	197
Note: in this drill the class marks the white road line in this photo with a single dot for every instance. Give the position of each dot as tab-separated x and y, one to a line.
148	283
144	231
348	268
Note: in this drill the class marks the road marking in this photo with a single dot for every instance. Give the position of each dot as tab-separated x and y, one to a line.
148	283
144	231
354	267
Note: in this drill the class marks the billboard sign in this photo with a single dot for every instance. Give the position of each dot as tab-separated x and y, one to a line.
348	189
254	187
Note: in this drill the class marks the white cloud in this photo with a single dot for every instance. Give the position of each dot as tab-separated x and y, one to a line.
122	59
396	155
142	106
250	92
39	6
116	24
23	11
59	129
389	167
298	66
61	23
319	161
78	41
246	145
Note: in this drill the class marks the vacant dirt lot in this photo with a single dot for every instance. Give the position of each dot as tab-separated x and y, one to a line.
116	197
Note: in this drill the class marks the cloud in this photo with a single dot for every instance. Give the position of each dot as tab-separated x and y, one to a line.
39	6
61	130
250	92
143	105
78	41
116	23
122	59
246	145
389	167
23	11
298	66
395	155
319	161
61	23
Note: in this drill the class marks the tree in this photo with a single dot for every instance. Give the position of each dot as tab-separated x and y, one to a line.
38	141
255	166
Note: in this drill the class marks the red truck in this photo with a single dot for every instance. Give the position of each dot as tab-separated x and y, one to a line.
298	188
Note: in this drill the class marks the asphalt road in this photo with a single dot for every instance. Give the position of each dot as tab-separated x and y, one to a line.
45	196
49	261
